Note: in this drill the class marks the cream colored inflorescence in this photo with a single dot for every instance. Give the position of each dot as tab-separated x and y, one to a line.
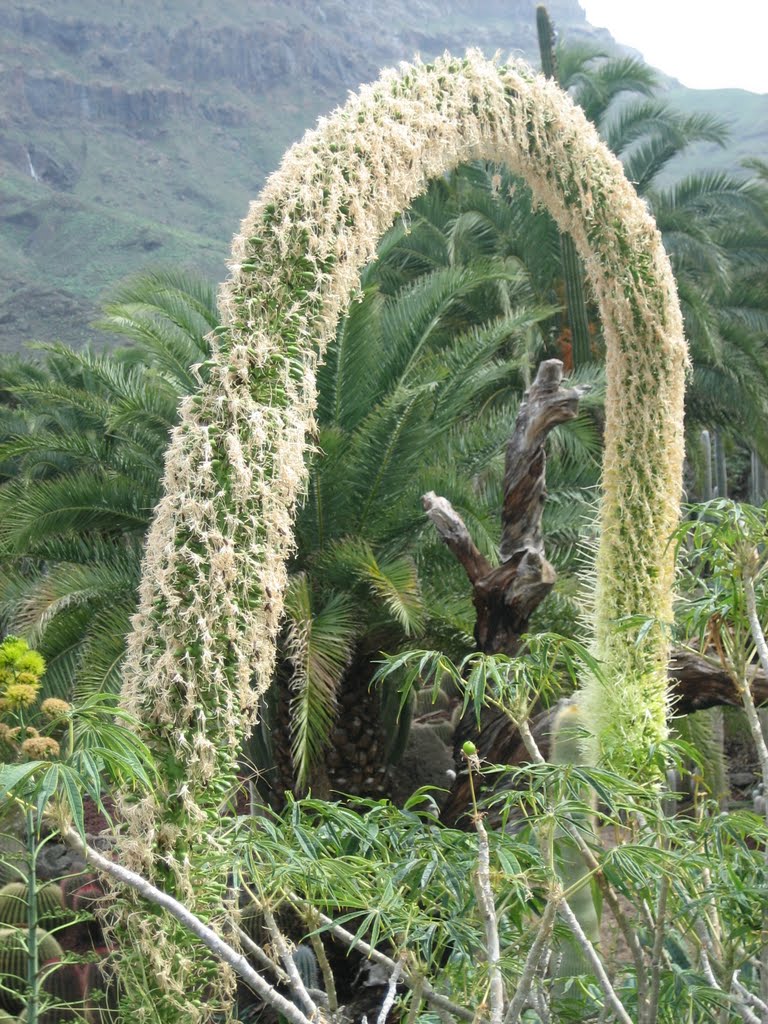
202	649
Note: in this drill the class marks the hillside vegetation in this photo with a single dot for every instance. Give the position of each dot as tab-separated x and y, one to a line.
134	134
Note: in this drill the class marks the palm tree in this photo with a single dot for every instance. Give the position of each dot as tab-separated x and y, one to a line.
440	339
710	223
82	450
418	393
714	227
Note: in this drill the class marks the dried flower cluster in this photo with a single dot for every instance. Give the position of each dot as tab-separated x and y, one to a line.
203	643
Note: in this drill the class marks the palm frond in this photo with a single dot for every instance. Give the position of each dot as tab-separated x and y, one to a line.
392	582
595	87
167	315
319	646
672	134
102	651
354	359
77	503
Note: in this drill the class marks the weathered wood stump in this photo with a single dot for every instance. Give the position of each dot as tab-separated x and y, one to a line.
506	596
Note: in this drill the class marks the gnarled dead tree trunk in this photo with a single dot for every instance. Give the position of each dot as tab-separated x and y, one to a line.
506	596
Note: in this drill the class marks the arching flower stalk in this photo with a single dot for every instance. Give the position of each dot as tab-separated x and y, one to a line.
203	644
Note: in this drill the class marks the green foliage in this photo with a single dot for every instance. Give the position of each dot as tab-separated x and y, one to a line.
68	751
695	885
82	449
514	685
414	396
319	645
47	779
398	400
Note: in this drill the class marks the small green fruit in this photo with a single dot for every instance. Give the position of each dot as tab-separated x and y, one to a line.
469	749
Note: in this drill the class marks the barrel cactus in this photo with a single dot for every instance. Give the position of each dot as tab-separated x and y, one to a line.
61	997
13	964
14	905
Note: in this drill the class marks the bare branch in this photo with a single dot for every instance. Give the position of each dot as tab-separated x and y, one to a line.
289	963
193	924
762	652
450	526
657	958
322	959
259	954
595	963
389	997
505	597
487	909
532	961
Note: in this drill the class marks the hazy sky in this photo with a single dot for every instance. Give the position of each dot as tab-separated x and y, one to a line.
706	44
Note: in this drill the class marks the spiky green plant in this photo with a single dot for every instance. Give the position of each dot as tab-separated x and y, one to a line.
202	651
14	960
14	904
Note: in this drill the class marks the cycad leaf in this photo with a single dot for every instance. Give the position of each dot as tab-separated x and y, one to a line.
319	646
393	582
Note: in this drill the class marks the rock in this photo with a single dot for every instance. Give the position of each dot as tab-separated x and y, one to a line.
425	762
741	780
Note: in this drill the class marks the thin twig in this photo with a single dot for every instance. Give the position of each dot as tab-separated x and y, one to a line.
762	652
597	967
742	1006
706	969
532	961
416	1001
259	954
297	983
657	959
389	997
487	909
747	996
322	959
540	1004
528	740
221	949
762	750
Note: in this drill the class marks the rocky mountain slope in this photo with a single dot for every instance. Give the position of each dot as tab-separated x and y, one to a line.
134	133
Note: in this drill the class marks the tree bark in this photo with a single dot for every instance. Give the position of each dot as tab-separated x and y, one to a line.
505	596
696	682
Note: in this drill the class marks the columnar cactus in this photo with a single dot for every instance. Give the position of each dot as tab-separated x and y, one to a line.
577	879
202	649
